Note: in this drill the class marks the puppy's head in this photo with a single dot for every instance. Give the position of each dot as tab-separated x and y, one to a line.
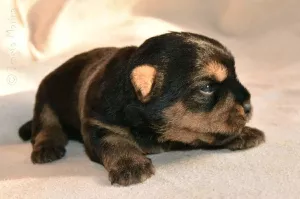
187	86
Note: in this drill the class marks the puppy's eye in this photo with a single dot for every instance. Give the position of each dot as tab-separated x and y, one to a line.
207	89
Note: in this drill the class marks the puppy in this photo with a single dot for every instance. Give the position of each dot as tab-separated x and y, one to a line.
176	91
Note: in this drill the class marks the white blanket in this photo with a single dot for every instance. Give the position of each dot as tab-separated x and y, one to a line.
263	35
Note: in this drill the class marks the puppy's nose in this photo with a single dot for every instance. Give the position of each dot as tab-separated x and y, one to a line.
247	107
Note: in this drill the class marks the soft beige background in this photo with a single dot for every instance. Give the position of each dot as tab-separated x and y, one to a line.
264	36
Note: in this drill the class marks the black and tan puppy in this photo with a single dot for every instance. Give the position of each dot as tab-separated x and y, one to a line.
176	91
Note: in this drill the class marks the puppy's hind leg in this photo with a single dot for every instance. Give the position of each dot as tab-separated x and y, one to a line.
48	139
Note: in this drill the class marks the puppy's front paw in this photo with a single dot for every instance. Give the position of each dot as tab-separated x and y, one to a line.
131	171
250	137
45	154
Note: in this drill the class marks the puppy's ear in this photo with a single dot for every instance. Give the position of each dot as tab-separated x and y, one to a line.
142	79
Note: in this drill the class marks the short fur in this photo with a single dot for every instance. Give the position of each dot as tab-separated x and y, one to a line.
176	91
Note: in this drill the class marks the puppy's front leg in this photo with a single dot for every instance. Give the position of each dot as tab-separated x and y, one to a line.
249	137
119	154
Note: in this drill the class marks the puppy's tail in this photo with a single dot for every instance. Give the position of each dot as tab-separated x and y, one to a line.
25	131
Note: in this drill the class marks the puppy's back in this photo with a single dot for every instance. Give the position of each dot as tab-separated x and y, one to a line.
60	89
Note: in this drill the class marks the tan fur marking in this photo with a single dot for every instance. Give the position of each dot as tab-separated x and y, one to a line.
113	139
142	78
48	117
121	147
112	128
41	137
185	126
51	128
217	70
186	136
240	109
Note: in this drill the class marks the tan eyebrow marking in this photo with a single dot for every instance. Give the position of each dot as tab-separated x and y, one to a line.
217	70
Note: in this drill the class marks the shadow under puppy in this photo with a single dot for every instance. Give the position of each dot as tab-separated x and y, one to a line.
176	91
